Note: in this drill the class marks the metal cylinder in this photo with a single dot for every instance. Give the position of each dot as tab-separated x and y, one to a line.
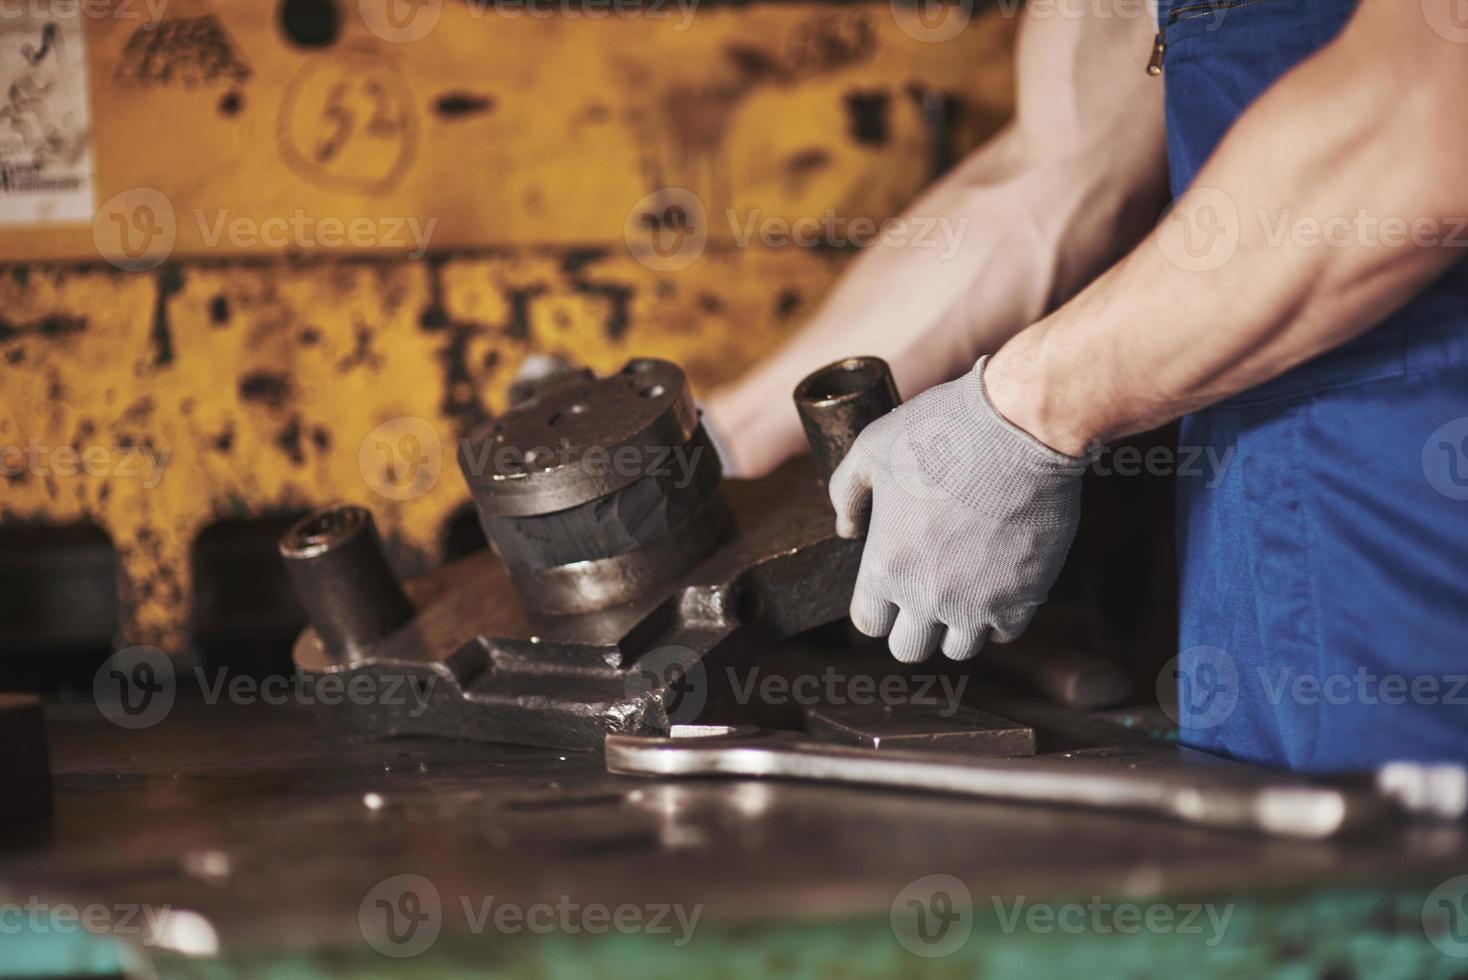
596	490
341	575
838	401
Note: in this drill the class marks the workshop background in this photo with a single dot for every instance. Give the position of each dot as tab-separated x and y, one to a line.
217	364
287	253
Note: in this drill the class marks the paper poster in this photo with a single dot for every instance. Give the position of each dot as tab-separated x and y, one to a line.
45	125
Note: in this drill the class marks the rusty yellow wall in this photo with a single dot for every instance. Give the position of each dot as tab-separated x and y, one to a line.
266	378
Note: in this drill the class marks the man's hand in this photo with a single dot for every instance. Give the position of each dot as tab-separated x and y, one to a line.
970	521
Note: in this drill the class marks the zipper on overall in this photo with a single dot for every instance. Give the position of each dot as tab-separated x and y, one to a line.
1190	11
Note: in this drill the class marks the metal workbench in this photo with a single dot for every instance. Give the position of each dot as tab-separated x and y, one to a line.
269	845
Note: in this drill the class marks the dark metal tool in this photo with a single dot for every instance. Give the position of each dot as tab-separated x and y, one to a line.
624	575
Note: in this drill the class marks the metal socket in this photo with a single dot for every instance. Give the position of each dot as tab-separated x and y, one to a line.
341	575
838	401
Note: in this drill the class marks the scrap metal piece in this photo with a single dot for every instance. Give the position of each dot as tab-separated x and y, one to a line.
919	728
594	491
838	401
616	596
25	766
1204	793
340	573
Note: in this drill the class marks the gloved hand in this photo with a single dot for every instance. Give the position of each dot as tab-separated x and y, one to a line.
970	521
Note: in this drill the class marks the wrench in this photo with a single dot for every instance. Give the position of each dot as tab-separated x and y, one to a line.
1193	788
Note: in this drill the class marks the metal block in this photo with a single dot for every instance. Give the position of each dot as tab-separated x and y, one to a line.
919	728
25	767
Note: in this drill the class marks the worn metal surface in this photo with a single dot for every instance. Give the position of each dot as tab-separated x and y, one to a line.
839	400
219	386
246	817
906	727
341	576
497	670
597	491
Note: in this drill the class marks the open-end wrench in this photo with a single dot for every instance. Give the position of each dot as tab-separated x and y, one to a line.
1194	788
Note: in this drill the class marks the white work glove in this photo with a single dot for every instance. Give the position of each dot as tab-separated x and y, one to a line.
970	521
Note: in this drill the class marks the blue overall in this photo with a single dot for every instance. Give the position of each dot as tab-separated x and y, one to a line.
1324	563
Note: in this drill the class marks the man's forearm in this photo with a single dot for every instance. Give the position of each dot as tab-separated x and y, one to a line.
1066	188
1369	135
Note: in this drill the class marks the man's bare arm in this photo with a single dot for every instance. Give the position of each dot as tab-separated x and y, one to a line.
1066	188
1376	123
